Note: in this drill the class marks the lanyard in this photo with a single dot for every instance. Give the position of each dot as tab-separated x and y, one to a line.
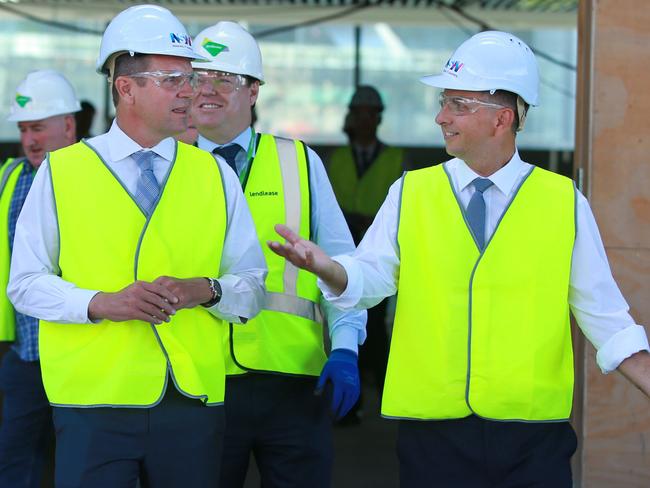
249	159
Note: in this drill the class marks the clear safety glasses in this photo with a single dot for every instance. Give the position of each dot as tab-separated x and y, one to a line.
463	105
169	80
219	82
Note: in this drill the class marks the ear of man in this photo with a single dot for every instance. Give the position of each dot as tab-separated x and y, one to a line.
124	88
505	120
255	91
70	128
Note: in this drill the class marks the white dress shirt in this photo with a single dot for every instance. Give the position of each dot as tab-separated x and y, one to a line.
36	289
594	298
329	230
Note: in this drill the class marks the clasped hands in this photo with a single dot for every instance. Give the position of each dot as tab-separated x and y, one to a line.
153	302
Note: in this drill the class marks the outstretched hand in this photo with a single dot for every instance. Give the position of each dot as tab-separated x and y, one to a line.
307	255
298	251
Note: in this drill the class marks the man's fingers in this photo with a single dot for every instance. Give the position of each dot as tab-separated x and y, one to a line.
159	288
337	400
159	303
347	403
277	248
153	312
287	233
145	317
288	251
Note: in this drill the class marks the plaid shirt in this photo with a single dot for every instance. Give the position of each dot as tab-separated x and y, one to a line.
26	345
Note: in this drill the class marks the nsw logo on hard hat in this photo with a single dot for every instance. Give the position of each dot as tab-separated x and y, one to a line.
22	100
180	40
453	67
214	48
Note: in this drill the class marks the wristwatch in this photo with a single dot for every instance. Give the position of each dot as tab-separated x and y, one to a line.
215	288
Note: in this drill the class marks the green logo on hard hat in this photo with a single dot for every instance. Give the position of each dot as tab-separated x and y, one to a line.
22	100
214	48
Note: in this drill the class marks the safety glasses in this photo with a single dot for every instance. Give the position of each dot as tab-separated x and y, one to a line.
463	105
169	80
219	81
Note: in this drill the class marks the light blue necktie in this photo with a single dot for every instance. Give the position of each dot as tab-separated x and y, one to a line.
148	189
476	210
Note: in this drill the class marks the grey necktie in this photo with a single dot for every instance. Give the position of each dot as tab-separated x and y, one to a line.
229	153
147	191
476	210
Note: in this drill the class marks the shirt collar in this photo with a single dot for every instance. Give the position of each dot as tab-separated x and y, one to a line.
242	140
504	179
121	146
27	166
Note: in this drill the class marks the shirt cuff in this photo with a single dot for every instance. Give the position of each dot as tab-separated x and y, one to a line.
232	307
345	337
621	346
76	305
352	294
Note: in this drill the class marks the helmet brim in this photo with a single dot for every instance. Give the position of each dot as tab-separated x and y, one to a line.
447	82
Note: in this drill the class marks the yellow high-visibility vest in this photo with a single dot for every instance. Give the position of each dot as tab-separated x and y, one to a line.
287	335
9	174
107	243
366	194
483	333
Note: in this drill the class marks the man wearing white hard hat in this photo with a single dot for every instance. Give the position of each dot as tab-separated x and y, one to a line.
43	108
277	360
489	254
136	251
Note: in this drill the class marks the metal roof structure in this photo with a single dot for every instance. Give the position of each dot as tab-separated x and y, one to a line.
481	14
516	5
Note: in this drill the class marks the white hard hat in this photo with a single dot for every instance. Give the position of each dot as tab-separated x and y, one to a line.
43	94
491	61
144	29
229	48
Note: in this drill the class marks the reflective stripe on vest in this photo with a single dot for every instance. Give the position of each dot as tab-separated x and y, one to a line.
366	194
287	336
8	178
484	333
281	302
106	244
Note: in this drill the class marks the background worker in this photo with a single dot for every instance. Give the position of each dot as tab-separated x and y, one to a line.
489	254
361	174
133	289
43	108
275	359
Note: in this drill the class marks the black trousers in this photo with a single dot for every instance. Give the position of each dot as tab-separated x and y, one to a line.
284	425
477	453
175	444
26	432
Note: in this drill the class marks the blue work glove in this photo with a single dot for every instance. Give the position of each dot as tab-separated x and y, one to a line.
342	371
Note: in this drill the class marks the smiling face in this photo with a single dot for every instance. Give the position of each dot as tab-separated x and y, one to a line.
222	116
41	136
467	134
